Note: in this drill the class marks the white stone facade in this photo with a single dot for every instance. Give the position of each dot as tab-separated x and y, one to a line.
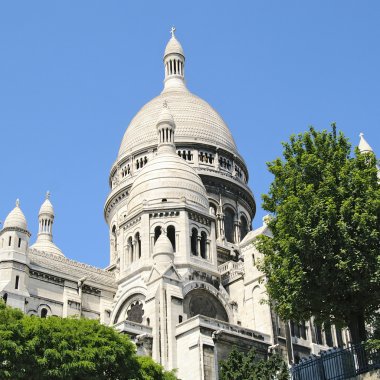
182	279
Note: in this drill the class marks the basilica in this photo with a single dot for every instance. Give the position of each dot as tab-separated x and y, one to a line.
182	279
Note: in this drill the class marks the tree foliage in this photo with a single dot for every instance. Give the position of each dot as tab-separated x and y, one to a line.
323	259
64	348
240	366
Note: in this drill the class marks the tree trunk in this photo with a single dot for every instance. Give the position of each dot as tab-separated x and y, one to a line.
357	329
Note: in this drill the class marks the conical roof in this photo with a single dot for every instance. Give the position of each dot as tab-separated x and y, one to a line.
363	146
173	46
16	218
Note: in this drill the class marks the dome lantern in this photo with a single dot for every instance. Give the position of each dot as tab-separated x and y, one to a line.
174	63
165	130
45	229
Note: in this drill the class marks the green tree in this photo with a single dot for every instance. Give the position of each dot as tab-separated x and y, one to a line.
65	348
323	259
240	366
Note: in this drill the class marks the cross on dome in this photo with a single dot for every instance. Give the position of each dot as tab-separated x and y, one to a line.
48	194
17	202
172	31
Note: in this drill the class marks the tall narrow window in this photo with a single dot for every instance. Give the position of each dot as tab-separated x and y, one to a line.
5	297
44	313
17	282
157	233
194	241
10	240
19	242
203	245
171	235
229	218
243	227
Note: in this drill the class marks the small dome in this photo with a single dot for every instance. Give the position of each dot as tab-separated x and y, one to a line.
46	208
167	180
163	250
364	147
163	245
173	47
16	218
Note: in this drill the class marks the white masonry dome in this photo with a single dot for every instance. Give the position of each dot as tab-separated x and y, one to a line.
163	250
167	180
173	47
16	218
46	207
196	120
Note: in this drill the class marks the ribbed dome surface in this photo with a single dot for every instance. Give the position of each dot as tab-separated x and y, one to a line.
166	180
46	246
195	121
47	208
173	47
16	219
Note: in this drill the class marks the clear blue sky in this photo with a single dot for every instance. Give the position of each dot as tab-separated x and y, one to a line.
74	73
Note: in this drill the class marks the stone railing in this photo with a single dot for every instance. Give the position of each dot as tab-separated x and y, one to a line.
230	271
221	327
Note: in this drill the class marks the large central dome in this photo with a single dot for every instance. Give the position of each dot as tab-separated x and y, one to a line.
196	120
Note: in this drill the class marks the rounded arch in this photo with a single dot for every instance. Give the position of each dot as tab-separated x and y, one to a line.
202	302
44	310
131	308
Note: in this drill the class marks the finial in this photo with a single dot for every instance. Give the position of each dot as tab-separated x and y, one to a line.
48	194
172	30
361	134
17	202
163	231
165	104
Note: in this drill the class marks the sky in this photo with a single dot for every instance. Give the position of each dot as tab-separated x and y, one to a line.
74	73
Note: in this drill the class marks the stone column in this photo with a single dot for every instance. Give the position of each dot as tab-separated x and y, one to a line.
134	249
198	245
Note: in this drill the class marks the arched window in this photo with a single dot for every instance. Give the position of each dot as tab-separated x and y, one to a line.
157	233
148	321
243	227
44	312
203	245
171	235
5	297
194	241
130	245
17	282
138	245
180	319
229	218
213	209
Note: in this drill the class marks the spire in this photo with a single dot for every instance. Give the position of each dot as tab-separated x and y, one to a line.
174	63
16	218
46	220
165	130
363	146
